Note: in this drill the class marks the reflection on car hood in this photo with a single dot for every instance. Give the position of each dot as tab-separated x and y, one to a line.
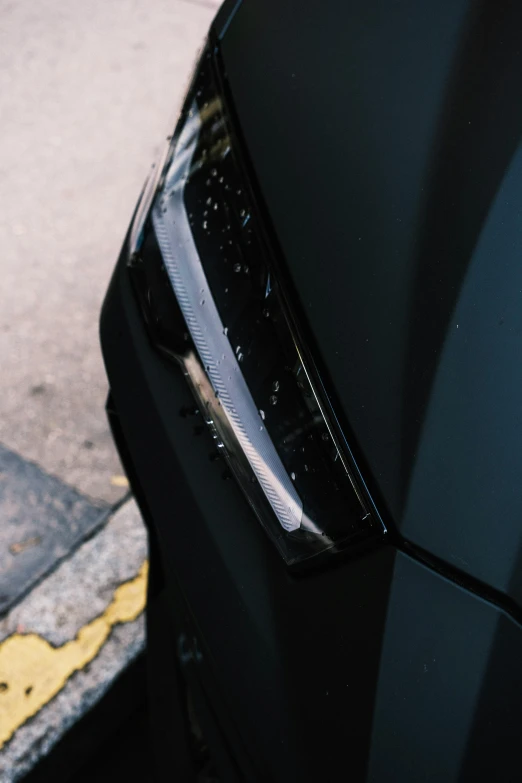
385	144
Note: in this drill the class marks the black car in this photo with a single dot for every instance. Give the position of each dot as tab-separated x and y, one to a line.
313	338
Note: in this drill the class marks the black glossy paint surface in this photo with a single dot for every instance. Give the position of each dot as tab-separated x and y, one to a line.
448	702
385	142
377	666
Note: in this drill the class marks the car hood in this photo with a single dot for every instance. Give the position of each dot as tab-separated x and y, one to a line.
385	141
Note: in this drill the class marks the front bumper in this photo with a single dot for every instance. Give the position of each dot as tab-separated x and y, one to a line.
377	667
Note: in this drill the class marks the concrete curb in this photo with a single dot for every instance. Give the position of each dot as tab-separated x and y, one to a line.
43	521
63	645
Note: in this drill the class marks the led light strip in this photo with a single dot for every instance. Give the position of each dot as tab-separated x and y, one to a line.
190	285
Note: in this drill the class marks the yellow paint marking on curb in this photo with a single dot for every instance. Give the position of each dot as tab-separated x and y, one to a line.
32	671
120	481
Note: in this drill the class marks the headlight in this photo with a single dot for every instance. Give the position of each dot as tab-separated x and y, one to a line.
198	235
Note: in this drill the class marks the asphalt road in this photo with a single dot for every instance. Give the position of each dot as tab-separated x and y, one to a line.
88	89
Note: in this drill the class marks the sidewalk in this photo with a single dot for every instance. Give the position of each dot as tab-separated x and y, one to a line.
87	91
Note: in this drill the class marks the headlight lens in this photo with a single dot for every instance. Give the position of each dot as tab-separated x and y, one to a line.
233	333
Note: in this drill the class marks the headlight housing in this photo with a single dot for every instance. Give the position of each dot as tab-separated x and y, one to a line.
207	278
